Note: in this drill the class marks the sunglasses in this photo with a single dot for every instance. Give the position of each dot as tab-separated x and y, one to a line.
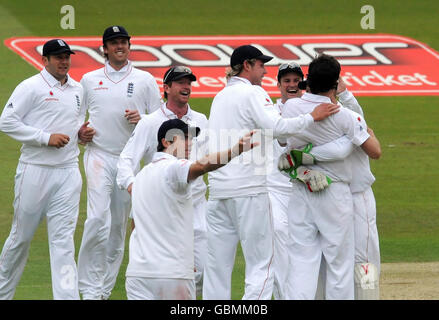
289	65
178	69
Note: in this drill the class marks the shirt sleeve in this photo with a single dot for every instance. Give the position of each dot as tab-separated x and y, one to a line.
153	98
177	175
335	150
353	125
348	100
84	104
266	117
12	119
131	155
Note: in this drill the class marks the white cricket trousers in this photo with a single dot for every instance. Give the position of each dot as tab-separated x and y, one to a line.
248	220
200	242
103	240
140	288
367	247
321	223
54	193
279	205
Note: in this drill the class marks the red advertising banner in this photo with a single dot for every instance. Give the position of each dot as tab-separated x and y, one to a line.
372	65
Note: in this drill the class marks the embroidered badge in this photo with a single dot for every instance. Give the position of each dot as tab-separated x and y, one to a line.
130	89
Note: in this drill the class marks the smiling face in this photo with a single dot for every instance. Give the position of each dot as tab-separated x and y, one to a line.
180	146
58	65
117	51
179	91
289	86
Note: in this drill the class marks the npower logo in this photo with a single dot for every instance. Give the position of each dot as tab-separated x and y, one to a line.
371	64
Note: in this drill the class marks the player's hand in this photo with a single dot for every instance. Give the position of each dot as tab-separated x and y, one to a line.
133	116
313	179
295	158
341	86
324	110
370	132
58	140
85	133
130	188
245	144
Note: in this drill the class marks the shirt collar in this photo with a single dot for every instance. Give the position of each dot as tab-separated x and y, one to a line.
171	115
279	102
52	81
235	80
315	98
161	155
111	70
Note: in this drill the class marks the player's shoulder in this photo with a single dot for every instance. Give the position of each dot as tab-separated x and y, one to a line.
141	74
31	81
74	83
98	73
198	116
150	119
293	102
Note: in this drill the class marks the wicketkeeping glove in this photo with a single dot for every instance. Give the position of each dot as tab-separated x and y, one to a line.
295	158
314	180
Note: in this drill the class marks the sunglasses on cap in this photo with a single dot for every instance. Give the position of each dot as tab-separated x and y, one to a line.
289	65
177	69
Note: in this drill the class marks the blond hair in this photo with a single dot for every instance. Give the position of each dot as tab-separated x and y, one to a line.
237	69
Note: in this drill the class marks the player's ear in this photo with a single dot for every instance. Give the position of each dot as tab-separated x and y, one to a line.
45	60
166	87
246	65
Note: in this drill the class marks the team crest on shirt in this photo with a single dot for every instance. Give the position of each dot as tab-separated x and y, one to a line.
10	106
78	101
130	90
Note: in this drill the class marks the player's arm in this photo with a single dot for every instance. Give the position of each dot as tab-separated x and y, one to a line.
347	99
372	146
11	121
216	160
85	133
335	150
266	116
131	155
153	98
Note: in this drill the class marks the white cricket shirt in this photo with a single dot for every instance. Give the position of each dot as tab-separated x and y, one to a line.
108	93
162	243
344	122
276	181
143	144
237	109
362	177
39	107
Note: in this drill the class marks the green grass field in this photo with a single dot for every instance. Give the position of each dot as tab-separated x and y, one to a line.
406	188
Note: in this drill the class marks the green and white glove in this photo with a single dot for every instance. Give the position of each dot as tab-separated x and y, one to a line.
295	158
313	179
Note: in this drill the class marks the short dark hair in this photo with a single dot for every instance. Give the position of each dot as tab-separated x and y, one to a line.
323	74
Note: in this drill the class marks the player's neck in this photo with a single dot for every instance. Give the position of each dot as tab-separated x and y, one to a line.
117	65
330	94
180	109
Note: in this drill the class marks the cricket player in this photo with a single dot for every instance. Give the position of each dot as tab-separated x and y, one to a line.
279	186
177	86
44	113
115	96
367	252
322	222
161	259
238	206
